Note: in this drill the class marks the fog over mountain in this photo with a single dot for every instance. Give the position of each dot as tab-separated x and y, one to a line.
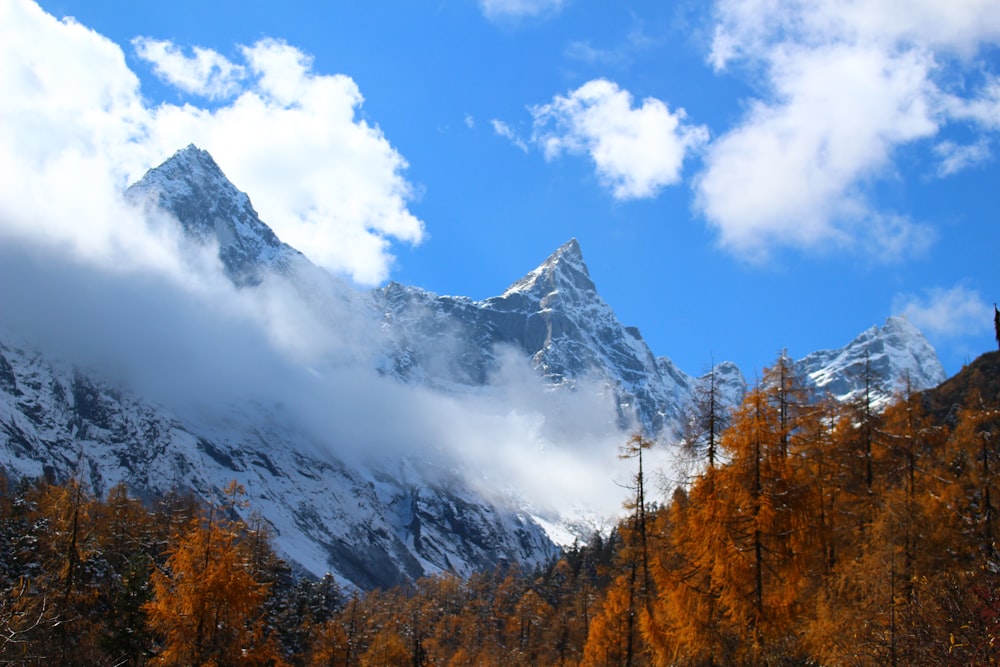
383	434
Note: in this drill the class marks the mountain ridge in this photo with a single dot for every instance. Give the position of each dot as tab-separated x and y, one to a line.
376	523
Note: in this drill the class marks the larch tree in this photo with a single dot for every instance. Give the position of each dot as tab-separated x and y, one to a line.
688	626
764	513
975	444
207	607
706	417
611	641
636	548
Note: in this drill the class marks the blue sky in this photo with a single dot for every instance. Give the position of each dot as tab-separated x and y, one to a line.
743	176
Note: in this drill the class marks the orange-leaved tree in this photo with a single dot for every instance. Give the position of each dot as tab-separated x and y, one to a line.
207	607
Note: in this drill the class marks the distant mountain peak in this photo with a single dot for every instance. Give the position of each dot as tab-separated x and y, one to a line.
899	325
192	155
896	352
570	249
189	169
564	270
191	186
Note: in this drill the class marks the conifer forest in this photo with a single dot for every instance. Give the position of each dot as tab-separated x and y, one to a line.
803	531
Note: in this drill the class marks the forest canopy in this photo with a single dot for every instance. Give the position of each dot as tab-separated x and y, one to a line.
808	532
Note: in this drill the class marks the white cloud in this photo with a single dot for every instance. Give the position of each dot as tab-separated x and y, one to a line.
70	116
955	158
507	132
792	172
328	183
636	150
74	120
982	108
515	9
751	29
845	84
206	73
946	312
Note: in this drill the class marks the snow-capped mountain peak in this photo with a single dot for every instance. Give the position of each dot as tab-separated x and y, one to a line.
564	270
897	352
191	187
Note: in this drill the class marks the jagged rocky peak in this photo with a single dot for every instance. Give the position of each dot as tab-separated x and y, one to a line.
894	354
563	271
191	187
730	383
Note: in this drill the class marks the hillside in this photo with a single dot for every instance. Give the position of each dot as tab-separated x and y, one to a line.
980	377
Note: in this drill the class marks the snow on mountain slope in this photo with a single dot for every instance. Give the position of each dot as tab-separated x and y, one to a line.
388	466
375	525
894	353
291	423
555	317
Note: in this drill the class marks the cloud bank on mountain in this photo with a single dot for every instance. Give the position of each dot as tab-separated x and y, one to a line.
328	181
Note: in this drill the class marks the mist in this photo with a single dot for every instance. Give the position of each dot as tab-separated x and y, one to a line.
87	279
172	329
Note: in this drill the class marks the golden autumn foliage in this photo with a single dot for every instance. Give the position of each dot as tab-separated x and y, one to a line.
207	605
808	532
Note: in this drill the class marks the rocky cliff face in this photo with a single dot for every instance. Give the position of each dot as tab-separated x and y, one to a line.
555	317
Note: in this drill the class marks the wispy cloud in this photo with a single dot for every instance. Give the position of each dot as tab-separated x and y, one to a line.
946	312
955	158
981	108
206	72
517	9
620	54
637	150
326	180
845	84
507	132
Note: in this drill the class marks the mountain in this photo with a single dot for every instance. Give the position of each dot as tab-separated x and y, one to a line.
555	317
192	187
980	378
373	523
336	494
893	354
372	526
